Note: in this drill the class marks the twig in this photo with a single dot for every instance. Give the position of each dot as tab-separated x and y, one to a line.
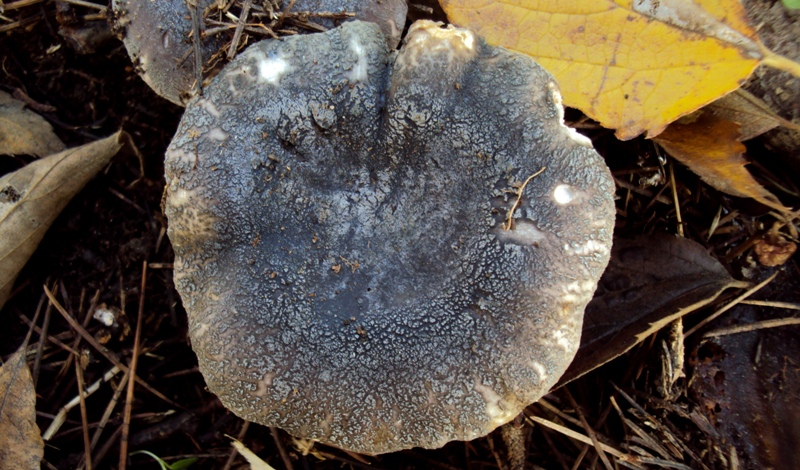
82	331
107	413
233	452
589	430
582	438
61	417
198	58
771	303
239	27
510	219
107	446
82	3
282	16
759	325
87	449
126	420
20	4
50	338
675	199
110	408
77	341
644	192
42	335
728	306
281	449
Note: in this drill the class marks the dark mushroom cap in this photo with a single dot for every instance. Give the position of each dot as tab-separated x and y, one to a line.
157	37
338	215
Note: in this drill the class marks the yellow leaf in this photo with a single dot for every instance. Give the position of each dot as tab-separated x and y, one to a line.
634	66
710	147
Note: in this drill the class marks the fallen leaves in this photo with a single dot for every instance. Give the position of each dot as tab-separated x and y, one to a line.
634	66
751	113
21	445
32	197
748	383
23	132
710	147
650	282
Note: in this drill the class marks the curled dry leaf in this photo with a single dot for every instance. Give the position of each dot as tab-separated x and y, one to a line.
709	145
23	132
32	197
774	250
650	282
753	115
21	444
634	66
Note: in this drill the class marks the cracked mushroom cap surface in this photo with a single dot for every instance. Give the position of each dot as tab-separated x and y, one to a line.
339	215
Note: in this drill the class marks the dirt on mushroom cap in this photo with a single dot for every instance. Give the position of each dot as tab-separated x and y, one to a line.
338	214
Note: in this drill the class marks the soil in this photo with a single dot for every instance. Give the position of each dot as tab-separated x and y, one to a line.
93	256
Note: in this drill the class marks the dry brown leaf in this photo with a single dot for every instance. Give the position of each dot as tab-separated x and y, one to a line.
710	147
650	282
21	444
751	113
32	197
633	65
23	132
748	384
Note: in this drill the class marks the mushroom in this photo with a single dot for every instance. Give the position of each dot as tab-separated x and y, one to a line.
364	254
157	35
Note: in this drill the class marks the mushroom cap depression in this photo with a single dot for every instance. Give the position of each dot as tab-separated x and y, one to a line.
338	214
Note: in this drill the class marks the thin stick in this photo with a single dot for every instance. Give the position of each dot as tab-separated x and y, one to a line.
101	454
81	331
589	430
771	303
643	192
87	449
282	16
239	27
233	452
61	417
37	362
20	4
759	325
281	450
50	338
198	57
82	3
581	438
675	199
730	305
126	420
110	408
510	219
